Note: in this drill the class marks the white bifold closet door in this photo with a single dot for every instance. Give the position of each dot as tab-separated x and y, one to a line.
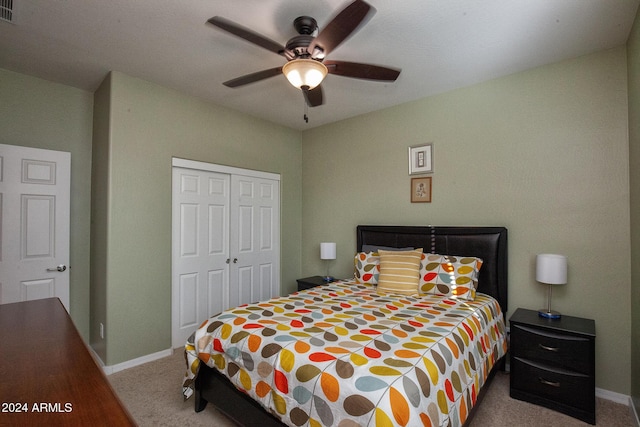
226	242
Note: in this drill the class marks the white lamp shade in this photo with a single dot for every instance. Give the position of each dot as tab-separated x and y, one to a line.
304	72
327	250
551	269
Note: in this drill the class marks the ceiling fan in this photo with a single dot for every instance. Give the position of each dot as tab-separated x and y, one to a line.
306	66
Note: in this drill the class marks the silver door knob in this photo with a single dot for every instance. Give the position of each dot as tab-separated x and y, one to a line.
59	268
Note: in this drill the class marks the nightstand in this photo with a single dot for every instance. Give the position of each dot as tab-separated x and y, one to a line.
553	363
310	282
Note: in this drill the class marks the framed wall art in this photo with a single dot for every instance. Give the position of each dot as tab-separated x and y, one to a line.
421	190
421	159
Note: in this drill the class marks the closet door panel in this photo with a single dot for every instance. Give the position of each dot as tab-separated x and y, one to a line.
217	282
245	229
267	282
200	272
255	215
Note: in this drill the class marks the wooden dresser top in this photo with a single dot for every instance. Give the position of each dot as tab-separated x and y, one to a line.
48	376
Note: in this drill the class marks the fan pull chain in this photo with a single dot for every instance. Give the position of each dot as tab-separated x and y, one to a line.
306	110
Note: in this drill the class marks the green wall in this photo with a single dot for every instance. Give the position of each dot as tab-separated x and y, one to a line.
40	114
633	59
542	152
147	126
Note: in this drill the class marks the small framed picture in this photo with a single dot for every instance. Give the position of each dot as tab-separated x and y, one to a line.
421	190
421	159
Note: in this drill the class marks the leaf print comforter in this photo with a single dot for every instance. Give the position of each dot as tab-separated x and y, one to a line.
345	355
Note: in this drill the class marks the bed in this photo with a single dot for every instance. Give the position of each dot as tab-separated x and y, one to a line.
347	354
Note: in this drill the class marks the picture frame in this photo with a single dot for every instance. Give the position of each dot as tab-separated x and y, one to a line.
421	159
421	189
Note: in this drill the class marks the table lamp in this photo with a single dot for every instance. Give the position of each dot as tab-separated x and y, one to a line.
328	252
551	269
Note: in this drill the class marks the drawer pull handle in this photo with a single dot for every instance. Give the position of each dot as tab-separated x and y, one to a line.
551	383
544	347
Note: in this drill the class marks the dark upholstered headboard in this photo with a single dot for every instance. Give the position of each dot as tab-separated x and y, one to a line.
487	243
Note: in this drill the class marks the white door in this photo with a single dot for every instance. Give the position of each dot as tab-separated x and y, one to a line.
226	241
255	240
34	231
200	270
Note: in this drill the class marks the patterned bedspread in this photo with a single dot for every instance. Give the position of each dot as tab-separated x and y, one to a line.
344	355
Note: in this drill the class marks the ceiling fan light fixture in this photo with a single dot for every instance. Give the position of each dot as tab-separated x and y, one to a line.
305	72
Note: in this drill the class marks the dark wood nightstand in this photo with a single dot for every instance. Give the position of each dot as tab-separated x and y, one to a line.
553	363
310	282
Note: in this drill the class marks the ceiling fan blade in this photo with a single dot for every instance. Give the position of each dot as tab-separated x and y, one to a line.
314	96
340	28
253	77
361	71
247	34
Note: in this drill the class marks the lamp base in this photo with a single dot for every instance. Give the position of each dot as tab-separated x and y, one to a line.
549	314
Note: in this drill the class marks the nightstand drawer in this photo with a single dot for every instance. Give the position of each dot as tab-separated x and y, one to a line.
560	386
559	350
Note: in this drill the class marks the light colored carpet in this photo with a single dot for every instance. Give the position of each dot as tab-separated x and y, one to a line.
153	394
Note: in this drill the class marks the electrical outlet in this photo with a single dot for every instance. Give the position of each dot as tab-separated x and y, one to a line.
102	330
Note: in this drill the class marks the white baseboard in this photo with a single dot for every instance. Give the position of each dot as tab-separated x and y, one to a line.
137	361
634	414
612	396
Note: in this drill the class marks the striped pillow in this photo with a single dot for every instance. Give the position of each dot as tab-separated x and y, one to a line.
399	271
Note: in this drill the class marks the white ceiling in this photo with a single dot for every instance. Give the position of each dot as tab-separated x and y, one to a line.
439	45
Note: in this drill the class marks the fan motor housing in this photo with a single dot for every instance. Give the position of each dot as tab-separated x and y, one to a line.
297	46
